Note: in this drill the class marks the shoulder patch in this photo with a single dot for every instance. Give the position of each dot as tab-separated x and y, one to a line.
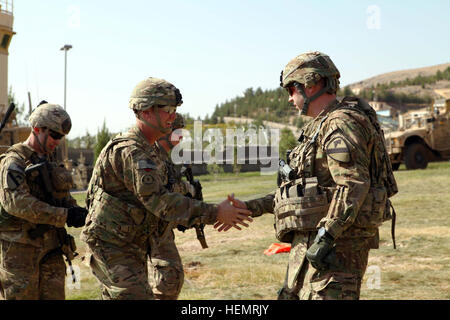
15	176
147	179
15	167
146	164
338	149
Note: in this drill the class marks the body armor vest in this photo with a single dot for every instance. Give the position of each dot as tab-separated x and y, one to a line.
61	181
300	204
112	219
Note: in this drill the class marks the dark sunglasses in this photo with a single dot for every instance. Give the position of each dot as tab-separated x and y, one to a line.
290	90
55	135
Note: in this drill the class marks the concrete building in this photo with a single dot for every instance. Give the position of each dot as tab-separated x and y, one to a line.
6	34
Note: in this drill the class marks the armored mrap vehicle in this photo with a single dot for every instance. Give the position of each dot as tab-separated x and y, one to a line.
422	136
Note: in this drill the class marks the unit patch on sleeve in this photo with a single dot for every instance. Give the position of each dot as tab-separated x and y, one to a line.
337	149
146	164
15	176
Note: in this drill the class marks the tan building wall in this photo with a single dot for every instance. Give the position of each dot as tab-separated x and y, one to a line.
6	34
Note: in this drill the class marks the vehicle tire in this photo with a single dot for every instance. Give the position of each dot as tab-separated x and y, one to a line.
395	166
416	156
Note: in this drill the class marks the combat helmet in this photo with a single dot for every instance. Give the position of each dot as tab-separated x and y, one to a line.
51	116
178	123
308	69
154	92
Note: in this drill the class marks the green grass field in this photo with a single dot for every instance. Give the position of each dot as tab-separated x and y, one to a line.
234	266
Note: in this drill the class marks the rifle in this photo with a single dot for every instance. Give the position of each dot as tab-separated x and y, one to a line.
199	228
66	241
11	108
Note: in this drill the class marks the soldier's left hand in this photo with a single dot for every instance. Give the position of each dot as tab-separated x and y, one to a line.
319	251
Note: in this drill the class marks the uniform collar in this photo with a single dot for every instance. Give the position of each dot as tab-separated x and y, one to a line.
140	136
159	148
328	108
25	151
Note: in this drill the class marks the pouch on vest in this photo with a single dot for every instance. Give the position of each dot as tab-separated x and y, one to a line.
113	220
299	207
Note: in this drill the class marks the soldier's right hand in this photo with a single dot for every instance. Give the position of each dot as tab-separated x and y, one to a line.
236	202
232	216
76	217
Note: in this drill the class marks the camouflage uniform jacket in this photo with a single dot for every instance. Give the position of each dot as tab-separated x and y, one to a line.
127	195
175	184
21	209
344	164
175	181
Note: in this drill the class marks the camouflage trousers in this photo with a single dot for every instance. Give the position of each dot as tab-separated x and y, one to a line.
30	273
342	281
122	271
165	270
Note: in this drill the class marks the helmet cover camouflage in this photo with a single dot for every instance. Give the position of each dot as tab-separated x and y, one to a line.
51	116
178	123
154	92
308	68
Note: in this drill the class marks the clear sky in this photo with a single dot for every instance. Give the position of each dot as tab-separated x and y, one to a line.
211	50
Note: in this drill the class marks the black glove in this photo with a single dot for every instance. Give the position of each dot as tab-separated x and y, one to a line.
321	250
76	217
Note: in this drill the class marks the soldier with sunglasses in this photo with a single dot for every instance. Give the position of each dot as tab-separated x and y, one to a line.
336	192
32	217
128	197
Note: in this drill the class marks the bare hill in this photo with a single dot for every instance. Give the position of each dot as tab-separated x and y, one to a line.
399	75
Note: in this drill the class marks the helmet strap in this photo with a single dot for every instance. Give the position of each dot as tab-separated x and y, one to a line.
43	146
158	119
307	100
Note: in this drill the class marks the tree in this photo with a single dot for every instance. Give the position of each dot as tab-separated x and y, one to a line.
287	142
20	115
103	137
347	91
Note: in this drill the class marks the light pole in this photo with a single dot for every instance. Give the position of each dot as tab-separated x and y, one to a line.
66	48
65	150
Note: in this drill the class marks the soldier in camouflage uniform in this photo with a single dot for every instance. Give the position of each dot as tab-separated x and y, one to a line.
330	206
165	267
128	196
32	234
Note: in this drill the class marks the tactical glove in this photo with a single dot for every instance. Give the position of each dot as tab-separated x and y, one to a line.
76	217
320	252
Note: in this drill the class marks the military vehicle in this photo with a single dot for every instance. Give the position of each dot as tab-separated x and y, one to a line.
422	136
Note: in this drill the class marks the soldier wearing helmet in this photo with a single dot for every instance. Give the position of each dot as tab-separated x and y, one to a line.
165	267
33	215
128	197
330	206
